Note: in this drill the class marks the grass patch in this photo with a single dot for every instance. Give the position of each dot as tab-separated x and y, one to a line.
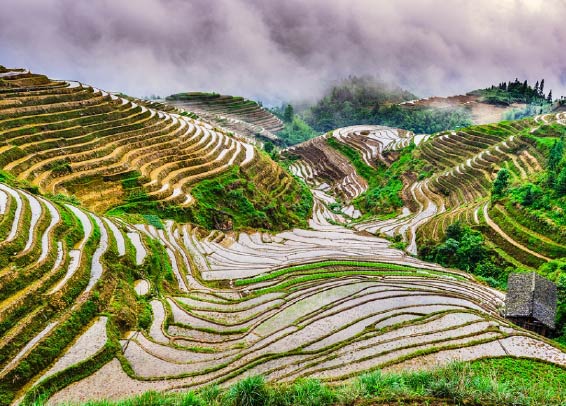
505	381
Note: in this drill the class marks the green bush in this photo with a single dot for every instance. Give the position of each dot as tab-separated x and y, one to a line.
251	391
465	249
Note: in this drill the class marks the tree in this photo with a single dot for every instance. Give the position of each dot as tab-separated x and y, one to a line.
501	182
555	156
455	231
541	88
561	183
549	98
471	250
533	196
375	109
288	114
446	252
268	146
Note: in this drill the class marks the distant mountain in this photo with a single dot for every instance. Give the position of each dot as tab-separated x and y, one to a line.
505	101
237	114
353	100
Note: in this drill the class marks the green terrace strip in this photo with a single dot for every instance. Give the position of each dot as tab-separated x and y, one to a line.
326	264
339	274
504	381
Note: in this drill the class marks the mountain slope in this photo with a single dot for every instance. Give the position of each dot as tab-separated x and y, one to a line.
124	308
444	184
72	139
459	168
236	114
146	297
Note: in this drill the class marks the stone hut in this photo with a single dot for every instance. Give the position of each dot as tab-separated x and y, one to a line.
531	302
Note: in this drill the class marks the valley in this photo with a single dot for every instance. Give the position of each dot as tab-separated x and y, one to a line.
156	246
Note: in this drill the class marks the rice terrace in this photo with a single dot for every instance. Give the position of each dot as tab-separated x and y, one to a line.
247	203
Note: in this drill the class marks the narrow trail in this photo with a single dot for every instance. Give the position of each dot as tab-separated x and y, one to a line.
499	231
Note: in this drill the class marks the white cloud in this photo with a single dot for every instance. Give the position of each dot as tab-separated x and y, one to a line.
286	50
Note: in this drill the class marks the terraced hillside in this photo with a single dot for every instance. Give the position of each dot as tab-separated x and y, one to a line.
481	112
234	113
457	172
61	266
72	139
345	162
106	305
124	308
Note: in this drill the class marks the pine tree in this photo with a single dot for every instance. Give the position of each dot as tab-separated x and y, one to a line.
561	183
555	156
536	88
541	88
549	98
288	114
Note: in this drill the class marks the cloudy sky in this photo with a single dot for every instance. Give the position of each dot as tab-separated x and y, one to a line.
276	50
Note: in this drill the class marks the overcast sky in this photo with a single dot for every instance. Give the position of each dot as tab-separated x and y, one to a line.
276	50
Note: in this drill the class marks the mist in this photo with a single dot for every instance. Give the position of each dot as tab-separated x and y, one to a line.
290	50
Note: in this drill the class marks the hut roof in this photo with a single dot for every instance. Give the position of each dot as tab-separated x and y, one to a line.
531	295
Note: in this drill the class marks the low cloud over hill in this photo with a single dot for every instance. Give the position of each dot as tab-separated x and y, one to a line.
286	50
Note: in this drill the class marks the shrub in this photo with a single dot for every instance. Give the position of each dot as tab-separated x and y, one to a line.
501	183
192	399
251	391
305	392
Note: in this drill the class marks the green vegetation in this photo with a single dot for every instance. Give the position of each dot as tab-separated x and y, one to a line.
323	264
114	297
367	101
556	271
422	120
232	200
10	179
465	249
62	165
529	209
296	131
259	196
504	381
542	196
508	93
353	101
527	111
231	102
501	182
385	184
533	210
514	92
314	275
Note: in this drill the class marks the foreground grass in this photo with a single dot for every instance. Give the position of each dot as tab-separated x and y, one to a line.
504	381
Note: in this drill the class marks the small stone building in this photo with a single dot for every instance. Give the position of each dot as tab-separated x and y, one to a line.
531	302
